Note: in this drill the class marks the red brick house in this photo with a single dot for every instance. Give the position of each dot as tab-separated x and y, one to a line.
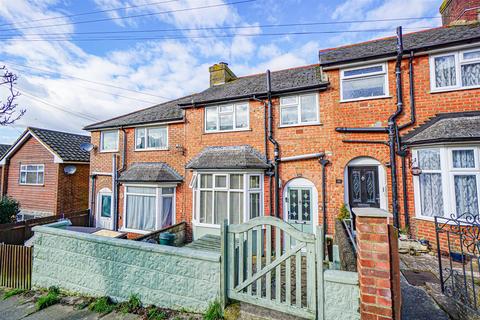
47	172
301	142
3	149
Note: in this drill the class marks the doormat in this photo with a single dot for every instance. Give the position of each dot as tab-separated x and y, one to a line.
419	278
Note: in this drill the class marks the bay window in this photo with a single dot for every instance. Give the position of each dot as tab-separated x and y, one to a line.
449	181
148	208
299	109
151	138
236	197
364	82
455	70
229	117
32	174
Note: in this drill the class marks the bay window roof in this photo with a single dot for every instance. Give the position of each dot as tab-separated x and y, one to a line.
233	157
150	172
446	127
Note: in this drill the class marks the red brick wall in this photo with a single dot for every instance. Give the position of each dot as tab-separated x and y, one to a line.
453	10
36	198
73	189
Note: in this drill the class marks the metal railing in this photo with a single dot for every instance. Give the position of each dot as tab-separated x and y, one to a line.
350	227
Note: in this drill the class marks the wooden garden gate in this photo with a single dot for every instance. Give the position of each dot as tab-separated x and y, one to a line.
269	263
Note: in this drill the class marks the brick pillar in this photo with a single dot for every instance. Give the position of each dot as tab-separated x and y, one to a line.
378	268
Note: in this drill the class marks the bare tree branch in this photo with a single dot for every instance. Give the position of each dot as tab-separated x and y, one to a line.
8	112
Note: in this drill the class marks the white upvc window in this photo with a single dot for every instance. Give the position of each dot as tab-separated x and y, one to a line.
449	182
366	82
32	174
455	70
229	117
148	208
151	138
299	110
109	141
235	196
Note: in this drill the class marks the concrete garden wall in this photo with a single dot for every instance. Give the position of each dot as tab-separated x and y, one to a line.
342	295
170	277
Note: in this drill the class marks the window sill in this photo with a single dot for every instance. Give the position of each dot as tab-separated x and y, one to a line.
364	99
108	151
227	131
134	231
300	125
434	91
206	225
145	150
31	184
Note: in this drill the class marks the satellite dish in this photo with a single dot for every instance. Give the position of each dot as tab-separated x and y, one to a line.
70	169
87	146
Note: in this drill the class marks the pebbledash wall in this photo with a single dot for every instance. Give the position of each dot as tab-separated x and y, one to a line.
169	277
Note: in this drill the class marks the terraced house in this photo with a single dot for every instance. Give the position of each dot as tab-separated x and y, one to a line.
390	123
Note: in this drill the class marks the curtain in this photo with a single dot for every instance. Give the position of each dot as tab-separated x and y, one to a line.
205	206
236	207
463	158
254	202
221	200
471	74
466	199
429	159
445	74
363	87
140	212
431	194
167	212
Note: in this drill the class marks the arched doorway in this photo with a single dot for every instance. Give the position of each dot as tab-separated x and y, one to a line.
365	183
300	204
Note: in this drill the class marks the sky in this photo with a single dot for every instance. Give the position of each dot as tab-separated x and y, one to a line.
80	62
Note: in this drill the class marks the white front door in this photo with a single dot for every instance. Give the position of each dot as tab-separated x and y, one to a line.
104	210
300	204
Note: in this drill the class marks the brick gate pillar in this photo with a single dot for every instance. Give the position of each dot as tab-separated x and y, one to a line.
377	264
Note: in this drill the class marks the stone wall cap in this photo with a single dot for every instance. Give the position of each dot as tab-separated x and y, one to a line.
338	276
371	212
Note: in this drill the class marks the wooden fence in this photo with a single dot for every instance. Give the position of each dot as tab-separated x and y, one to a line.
15	266
18	232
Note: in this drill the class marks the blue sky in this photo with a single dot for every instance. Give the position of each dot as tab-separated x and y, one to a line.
130	74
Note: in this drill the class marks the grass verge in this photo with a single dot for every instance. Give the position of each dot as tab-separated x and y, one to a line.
13	292
214	311
52	297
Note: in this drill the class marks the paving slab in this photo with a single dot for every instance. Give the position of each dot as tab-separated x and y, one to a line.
16	307
61	312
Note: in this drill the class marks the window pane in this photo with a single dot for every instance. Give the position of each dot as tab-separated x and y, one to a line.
206	181
40	177
364	87
254	203
471	74
367	70
220	206
140	138
106	206
431	196
236	207
109	140
157	137
220	181
141	212
31	177
168	190
445	75
167	212
211	118
290	115
309	108
241	116
471	55
236	181
228	108
254	182
31	168
306	205
226	121
206	206
463	158
429	159
289	100
23	177
466	199
141	190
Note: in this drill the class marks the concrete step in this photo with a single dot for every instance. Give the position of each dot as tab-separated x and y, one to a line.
246	311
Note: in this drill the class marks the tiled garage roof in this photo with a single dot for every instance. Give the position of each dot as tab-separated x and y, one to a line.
150	172
234	157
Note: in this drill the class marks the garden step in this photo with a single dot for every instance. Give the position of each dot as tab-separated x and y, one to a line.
246	311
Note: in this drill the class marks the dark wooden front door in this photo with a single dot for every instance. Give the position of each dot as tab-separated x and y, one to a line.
363	188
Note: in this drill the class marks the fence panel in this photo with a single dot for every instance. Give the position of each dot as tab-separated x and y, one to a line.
15	266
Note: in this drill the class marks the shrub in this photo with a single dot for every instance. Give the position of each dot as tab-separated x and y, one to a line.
102	305
12	292
9	208
344	213
51	298
131	306
214	311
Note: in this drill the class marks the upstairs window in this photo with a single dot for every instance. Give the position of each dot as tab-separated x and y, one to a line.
364	82
298	110
151	138
227	117
32	174
455	70
109	140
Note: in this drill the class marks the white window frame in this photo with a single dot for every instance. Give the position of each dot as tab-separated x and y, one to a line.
246	195
234	117
459	61
384	72
158	204
145	130
298	103
102	133
23	169
448	172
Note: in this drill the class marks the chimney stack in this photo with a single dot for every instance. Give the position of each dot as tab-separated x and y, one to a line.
456	12
220	73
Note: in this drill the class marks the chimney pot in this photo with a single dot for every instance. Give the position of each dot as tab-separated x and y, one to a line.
220	73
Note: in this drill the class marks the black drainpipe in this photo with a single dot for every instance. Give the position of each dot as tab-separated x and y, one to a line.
276	147
324	162
116	174
91	219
